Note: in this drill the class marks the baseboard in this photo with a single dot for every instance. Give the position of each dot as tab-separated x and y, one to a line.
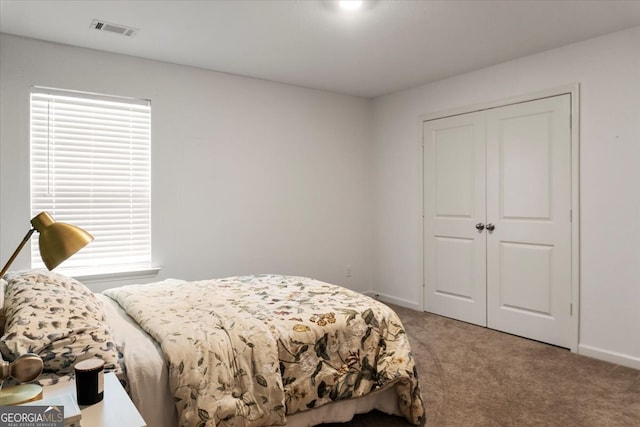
609	356
393	300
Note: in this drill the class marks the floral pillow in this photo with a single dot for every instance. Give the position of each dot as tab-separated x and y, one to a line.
56	317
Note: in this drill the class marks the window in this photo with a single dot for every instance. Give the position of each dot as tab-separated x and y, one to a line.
90	167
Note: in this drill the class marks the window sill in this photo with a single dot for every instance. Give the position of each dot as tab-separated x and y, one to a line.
112	276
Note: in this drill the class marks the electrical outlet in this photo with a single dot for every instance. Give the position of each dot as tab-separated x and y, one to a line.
347	271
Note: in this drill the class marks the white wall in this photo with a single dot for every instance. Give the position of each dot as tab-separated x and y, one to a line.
248	176
608	70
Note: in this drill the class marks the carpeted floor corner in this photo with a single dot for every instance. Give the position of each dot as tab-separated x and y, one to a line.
473	376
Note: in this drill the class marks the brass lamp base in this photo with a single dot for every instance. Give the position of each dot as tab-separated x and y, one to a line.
22	393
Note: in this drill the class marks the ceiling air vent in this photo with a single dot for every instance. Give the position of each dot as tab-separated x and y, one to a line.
114	28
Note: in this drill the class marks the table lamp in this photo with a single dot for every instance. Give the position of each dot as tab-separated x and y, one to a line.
27	367
57	242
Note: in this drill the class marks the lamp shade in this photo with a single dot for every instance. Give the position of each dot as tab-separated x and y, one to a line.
58	241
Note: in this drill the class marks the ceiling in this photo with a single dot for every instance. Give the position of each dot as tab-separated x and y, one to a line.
384	47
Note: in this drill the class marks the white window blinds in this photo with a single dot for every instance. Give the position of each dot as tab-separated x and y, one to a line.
90	167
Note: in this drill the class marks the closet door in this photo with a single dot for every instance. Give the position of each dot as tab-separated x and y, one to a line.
529	212
454	202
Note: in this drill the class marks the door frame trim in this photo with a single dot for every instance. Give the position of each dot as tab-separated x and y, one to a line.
574	91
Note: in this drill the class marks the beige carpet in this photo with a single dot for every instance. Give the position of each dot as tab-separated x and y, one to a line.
473	376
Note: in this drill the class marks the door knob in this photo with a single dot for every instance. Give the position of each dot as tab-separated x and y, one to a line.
479	226
490	227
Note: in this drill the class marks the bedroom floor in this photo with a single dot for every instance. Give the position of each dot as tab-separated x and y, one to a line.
472	376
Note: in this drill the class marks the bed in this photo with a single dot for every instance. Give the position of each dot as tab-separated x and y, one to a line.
250	350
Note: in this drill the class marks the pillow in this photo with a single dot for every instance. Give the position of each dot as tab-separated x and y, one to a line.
56	317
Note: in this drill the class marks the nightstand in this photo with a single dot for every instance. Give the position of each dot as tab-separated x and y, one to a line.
115	410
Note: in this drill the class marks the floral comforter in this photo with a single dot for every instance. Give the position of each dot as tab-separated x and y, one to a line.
246	351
